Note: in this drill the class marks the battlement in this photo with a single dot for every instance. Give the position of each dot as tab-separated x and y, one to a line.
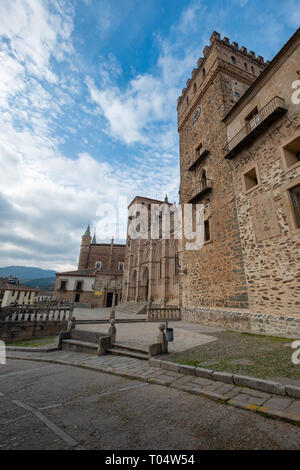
216	37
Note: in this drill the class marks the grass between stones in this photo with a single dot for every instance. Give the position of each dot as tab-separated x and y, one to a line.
34	343
265	357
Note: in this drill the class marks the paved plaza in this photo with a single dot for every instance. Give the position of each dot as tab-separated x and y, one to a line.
186	335
51	406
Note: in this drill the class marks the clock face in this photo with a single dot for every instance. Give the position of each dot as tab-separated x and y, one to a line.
196	114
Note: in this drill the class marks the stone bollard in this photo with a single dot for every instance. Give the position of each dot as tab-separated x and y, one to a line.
71	324
162	338
112	331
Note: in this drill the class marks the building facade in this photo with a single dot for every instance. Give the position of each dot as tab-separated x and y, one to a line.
239	156
239	136
99	276
151	264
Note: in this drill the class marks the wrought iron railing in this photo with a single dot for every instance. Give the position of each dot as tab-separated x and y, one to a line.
277	104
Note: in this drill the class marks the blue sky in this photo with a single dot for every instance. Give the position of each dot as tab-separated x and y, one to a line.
88	94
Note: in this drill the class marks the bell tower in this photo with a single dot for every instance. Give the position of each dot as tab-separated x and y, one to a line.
215	275
85	249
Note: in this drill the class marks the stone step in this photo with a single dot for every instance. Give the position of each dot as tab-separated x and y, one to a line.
126	352
79	346
129	348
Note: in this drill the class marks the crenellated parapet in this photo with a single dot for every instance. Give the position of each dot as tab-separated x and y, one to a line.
216	37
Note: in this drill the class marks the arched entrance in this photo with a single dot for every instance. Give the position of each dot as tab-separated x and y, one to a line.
145	285
133	285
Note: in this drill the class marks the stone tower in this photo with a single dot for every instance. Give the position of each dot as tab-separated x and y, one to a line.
85	249
213	276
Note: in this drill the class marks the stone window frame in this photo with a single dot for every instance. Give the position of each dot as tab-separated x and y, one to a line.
283	159
119	266
245	171
294	230
60	284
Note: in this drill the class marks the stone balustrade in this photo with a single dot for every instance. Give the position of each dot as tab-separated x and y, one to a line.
32	313
163	314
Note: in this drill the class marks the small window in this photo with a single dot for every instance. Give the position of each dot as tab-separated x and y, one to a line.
98	265
121	266
79	285
252	120
206	230
198	150
204	73
63	285
237	94
187	100
246	66
233	61
195	87
291	153
252	70
295	202
251	179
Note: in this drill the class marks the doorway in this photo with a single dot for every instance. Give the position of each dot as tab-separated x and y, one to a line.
109	299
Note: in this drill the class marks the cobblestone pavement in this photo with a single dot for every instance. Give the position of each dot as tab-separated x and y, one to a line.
268	404
51	406
142	334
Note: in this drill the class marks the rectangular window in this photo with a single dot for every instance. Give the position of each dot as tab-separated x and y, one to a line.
79	285
63	285
121	266
291	153
206	230
295	201
250	179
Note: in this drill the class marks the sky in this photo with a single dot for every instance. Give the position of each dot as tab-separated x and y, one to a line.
88	96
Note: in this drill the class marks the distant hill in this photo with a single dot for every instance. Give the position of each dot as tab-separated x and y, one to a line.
42	282
25	273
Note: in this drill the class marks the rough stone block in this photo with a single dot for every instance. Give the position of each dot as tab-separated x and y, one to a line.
292	391
223	377
190	370
259	384
206	373
154	362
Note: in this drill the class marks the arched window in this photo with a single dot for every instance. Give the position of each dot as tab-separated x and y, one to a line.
98	265
203	179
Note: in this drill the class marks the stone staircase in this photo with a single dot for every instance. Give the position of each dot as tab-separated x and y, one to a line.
132	307
81	341
129	351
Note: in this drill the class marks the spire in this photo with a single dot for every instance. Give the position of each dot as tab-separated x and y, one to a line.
87	232
94	241
166	199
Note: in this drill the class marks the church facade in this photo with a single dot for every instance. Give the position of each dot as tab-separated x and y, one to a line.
99	278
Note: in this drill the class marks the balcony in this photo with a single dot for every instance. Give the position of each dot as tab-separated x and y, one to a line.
199	190
201	156
269	114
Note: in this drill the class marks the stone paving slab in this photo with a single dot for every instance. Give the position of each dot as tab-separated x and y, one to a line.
267	404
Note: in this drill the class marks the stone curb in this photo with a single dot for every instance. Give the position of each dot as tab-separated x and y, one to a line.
266	412
25	349
262	385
